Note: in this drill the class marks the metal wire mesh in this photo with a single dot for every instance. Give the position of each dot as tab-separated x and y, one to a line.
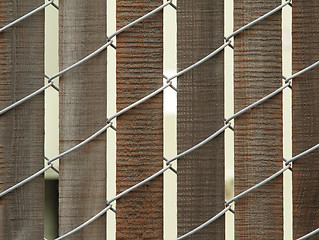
169	79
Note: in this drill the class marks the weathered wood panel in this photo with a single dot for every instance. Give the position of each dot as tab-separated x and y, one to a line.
82	187
22	128
140	130
258	132
305	110
200	112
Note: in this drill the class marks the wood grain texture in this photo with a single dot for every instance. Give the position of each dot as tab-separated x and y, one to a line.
200	112
258	132
22	128
82	187
305	110
139	131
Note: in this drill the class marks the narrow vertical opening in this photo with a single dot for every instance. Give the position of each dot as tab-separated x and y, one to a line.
170	127
229	111
111	109
287	118
51	121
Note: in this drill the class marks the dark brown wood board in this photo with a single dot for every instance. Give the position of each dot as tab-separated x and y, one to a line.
258	132
200	113
22	128
305	119
82	185
139	72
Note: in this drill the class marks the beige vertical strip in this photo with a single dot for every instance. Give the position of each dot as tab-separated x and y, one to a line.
170	131
287	117
51	94
200	112
22	128
305	115
82	186
258	132
111	110
139	133
229	111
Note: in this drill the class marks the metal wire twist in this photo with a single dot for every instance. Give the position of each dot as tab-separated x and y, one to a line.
109	123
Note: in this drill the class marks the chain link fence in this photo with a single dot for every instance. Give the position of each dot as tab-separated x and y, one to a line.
168	84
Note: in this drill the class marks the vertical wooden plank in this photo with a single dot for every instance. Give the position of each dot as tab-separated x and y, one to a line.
200	112
258	132
140	130
21	129
305	110
82	187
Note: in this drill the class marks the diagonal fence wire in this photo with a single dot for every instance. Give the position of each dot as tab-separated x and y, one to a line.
258	185
109	42
160	172
279	90
109	124
243	28
169	2
5	192
302	154
211	137
314	232
121	112
29	14
227	204
125	28
168	84
101	213
288	163
51	160
220	214
108	203
218	132
51	82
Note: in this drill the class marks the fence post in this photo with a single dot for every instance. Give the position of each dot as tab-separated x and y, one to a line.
140	130
258	132
305	110
22	128
200	113
82	186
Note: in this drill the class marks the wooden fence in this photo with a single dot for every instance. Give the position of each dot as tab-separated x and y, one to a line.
258	126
